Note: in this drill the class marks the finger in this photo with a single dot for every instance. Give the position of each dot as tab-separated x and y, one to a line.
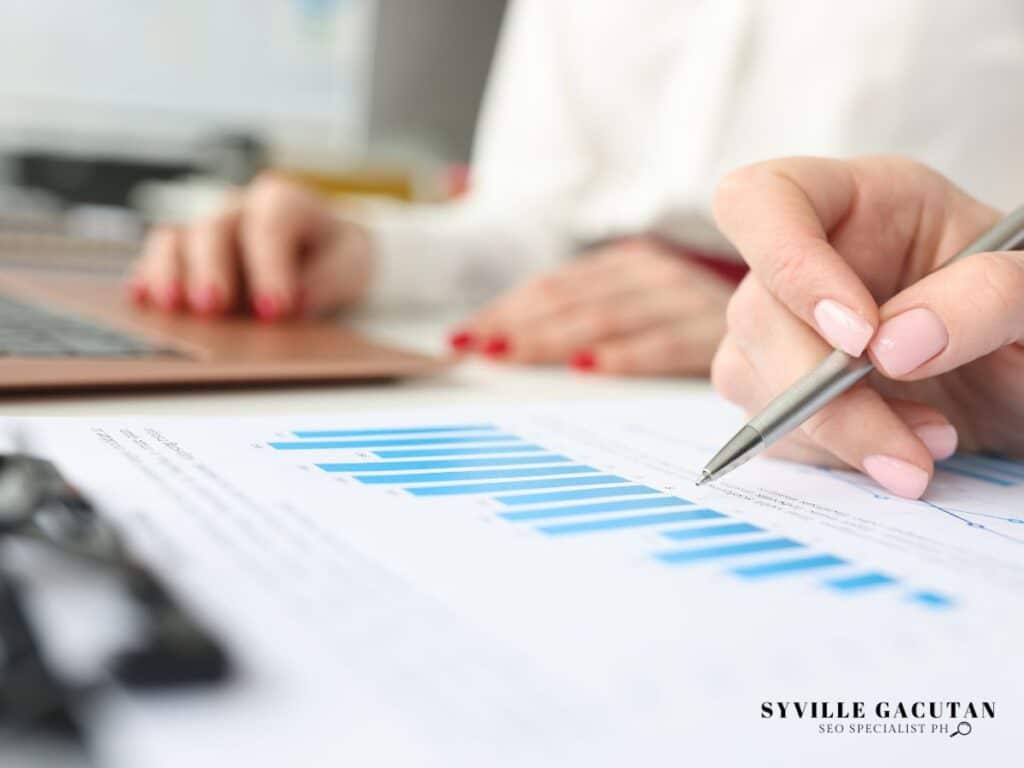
211	257
599	305
136	288
162	268
612	269
532	303
736	378
278	220
859	427
583	327
930	426
336	273
864	432
684	348
951	317
778	215
552	292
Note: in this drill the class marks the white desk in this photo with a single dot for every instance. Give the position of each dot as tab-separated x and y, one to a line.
472	381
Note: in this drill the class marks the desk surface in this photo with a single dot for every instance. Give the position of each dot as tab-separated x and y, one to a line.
473	381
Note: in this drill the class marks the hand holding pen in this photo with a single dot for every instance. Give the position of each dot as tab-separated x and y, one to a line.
843	256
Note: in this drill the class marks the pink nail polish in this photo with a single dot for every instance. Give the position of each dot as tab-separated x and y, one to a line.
842	327
900	477
939	439
906	341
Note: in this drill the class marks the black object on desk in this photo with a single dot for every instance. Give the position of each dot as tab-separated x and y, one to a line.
37	504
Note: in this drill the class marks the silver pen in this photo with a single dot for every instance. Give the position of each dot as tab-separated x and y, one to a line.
836	374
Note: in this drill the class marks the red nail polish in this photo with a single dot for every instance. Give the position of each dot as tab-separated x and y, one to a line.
206	300
461	341
138	293
584	360
496	346
266	307
171	297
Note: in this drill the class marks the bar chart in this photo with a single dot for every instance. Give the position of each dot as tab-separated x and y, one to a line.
526	484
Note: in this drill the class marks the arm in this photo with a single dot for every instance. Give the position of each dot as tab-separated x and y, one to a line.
530	158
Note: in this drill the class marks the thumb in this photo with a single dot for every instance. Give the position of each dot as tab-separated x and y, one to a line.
958	314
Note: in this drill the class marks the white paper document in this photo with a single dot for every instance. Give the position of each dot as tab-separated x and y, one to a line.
544	585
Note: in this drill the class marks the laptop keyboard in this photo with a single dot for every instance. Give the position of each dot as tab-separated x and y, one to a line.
28	330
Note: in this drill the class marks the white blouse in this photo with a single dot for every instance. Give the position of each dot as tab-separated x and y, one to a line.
611	117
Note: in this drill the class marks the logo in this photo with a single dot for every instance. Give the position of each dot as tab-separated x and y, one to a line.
885	717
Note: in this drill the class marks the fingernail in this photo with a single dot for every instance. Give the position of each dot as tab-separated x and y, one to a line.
842	327
206	300
496	346
461	341
939	439
170	297
900	477
909	339
585	360
266	306
138	293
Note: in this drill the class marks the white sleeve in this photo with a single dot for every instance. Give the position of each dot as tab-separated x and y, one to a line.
529	160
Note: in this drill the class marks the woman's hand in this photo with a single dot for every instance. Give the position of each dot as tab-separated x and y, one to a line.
828	241
276	250
633	307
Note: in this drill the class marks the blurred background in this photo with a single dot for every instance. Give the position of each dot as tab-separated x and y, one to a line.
117	113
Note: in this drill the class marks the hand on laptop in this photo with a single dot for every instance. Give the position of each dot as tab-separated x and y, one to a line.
277	250
826	239
632	307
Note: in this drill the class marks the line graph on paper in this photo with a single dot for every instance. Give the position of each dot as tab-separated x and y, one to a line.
995	483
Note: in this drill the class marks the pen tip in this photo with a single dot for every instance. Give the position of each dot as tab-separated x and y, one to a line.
705	476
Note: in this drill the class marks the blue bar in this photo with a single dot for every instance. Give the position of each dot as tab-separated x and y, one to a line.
859	582
729	550
625	505
469	450
490	474
991	463
514	485
586	493
711	531
636	521
977	475
320	445
788	566
932	599
387	466
395	431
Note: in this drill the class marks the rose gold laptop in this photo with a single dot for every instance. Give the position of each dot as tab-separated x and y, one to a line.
64	325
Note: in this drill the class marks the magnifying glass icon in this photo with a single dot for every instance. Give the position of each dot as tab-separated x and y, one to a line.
963	728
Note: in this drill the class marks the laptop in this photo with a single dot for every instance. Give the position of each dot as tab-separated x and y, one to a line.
65	325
